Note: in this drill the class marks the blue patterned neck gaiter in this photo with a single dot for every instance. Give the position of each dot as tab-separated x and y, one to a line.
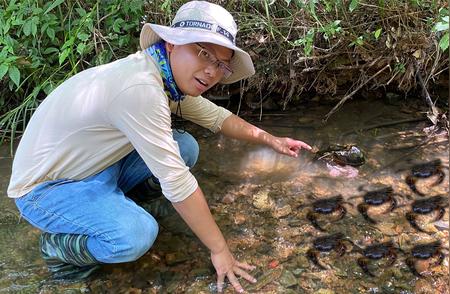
158	52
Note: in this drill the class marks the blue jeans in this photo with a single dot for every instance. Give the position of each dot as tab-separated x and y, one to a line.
119	230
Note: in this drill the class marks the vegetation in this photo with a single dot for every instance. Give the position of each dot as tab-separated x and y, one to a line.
328	46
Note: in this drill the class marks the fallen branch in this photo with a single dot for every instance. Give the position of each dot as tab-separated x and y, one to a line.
388	124
327	116
434	114
307	58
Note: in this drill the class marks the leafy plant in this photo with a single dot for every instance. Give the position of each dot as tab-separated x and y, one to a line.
442	25
306	42
45	42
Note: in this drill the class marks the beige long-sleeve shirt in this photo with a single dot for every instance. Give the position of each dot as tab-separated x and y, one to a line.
100	115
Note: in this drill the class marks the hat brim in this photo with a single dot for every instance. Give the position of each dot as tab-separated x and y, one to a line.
240	63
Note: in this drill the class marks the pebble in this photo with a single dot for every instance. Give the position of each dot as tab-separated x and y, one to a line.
175	257
228	199
283	211
239	219
441	225
324	291
262	201
288	279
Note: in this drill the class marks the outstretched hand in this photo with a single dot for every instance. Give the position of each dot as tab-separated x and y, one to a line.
289	146
227	266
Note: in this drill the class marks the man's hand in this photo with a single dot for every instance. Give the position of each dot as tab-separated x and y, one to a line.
237	128
288	146
227	266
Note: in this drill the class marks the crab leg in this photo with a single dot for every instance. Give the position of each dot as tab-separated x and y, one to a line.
411	217
411	262
313	256
363	264
363	208
411	182
440	179
343	212
441	214
312	218
393	204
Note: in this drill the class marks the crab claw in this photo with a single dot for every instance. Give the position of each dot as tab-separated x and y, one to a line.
364	265
311	216
363	208
411	182
313	255
411	263
411	217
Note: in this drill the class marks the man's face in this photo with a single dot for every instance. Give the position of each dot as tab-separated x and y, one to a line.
197	67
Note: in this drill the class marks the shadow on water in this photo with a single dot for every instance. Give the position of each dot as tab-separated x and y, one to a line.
261	200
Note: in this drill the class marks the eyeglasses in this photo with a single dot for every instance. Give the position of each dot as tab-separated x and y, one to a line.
208	57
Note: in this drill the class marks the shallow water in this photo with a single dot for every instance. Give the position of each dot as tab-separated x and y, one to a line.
260	201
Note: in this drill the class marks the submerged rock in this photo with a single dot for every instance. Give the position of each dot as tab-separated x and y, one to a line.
288	279
283	211
262	201
267	278
176	257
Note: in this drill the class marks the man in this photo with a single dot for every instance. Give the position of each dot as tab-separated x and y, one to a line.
107	130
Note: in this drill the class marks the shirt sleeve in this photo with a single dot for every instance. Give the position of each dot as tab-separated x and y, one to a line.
203	112
142	113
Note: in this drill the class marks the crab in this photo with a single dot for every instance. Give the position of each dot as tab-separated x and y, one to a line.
326	206
376	198
342	155
423	171
328	243
426	206
424	252
376	252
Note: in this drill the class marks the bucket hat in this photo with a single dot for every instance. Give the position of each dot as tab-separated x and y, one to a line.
202	22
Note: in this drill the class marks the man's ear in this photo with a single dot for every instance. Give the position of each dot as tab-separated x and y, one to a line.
169	47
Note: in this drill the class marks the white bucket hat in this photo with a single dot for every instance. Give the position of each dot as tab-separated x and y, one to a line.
202	22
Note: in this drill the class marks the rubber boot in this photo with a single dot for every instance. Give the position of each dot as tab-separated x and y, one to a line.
67	256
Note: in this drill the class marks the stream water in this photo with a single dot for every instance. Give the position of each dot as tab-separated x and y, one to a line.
261	199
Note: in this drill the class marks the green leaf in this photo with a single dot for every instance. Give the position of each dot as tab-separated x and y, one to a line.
443	43
6	28
81	11
51	33
68	43
3	70
353	5
14	75
53	5
441	26
118	25
33	28
80	48
27	28
63	55
50	50
377	33
83	36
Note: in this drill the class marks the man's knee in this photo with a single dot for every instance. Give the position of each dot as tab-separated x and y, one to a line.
189	148
134	237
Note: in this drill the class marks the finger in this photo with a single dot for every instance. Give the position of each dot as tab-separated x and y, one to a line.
220	283
305	146
244	274
245	266
234	281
